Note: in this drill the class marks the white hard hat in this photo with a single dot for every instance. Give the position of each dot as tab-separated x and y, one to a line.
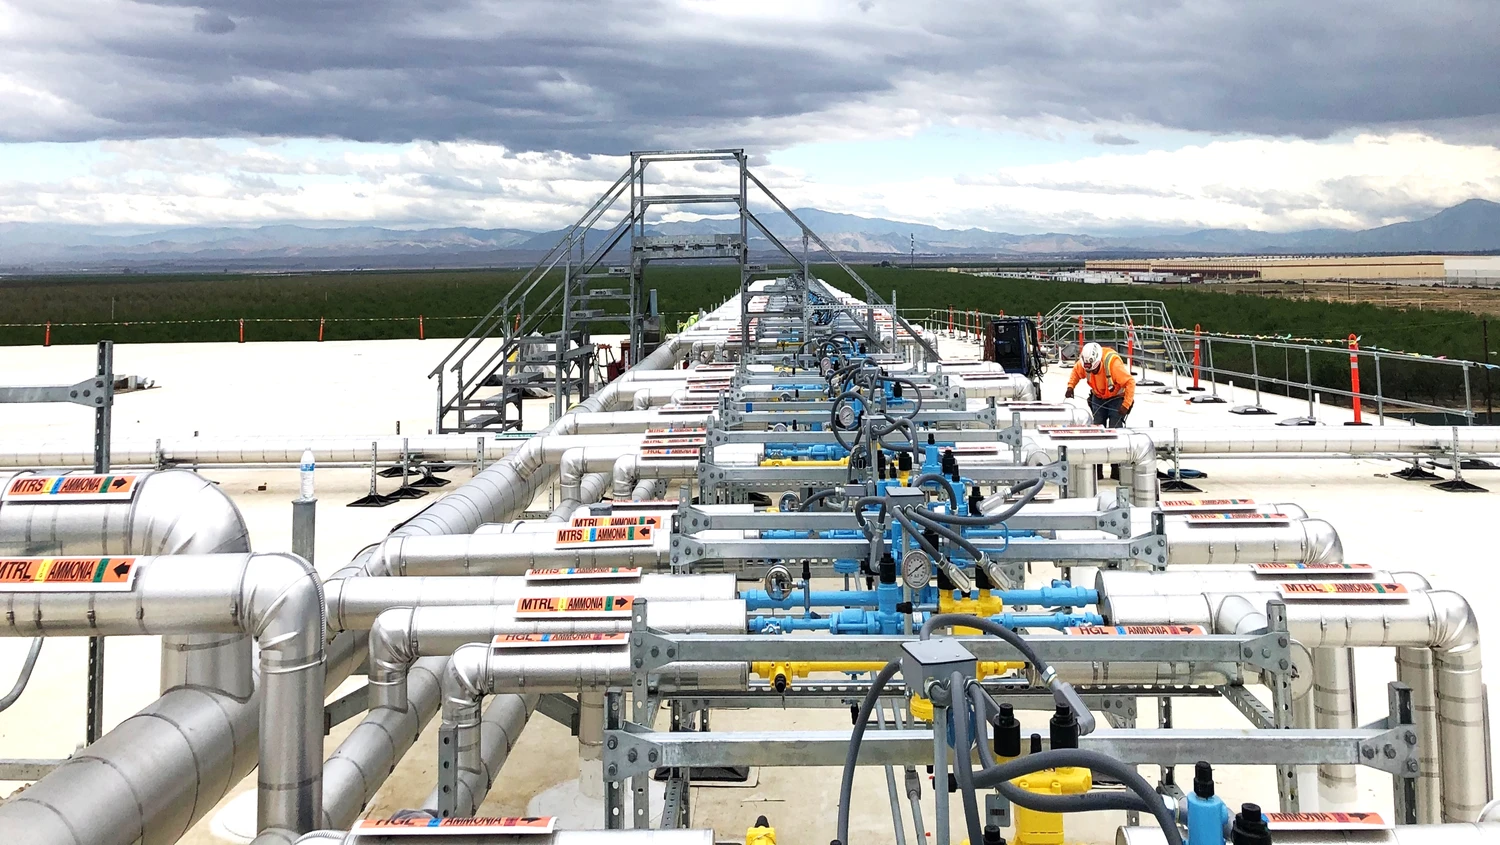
1092	355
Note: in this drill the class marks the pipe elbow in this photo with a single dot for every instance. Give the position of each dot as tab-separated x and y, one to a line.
570	471
1142	448
392	653
1323	543
180	512
624	475
1455	629
463	685
282	598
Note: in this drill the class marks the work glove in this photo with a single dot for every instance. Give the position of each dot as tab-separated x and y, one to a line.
1069	394
1125	411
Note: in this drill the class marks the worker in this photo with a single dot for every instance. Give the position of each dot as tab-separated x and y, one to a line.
1111	386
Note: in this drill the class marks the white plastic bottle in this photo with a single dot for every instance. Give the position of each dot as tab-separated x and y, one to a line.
308	465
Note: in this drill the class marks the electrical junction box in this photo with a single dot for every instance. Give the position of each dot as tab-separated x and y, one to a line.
924	660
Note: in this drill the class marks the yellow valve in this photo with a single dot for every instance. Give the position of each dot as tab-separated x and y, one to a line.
761	833
1033	828
801	669
921	708
988	604
989	668
794	462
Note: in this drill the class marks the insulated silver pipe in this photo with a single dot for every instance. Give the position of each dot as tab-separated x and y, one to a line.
400	635
1414	668
477	670
1330	440
503	553
589	490
561	837
174	512
1298	541
1437	620
1134	451
246	450
277	598
354	603
499	730
1467	833
1333	709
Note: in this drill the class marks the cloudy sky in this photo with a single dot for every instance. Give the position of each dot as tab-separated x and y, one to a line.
1017	115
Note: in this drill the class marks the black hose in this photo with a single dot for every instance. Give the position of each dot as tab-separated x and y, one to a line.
1094	761
963	764
944	484
1011	510
818	497
25	677
969	620
857	736
1040	802
911	529
924	517
916	393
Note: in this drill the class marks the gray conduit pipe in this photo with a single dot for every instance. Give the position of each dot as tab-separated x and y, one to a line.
278	599
174	512
401	635
1435	620
353	604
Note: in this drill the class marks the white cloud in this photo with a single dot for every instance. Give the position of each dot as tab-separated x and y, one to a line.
1271	184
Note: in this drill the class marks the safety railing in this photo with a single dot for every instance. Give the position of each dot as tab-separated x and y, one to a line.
1396	384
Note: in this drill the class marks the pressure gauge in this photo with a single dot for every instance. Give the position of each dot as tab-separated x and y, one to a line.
778	583
847	416
789	502
916	569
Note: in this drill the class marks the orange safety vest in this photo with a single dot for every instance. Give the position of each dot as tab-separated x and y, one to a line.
1102	381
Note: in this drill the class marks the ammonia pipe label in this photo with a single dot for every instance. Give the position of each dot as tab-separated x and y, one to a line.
454	826
1343	590
1237	516
1355	569
606	607
67	574
608	535
603	521
601	573
1327	821
509	641
53	489
1202	504
1135	630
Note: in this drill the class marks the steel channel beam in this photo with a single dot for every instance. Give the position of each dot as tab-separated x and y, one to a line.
1380	749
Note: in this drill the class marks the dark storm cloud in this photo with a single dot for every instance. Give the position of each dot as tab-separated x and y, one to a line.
606	77
213	23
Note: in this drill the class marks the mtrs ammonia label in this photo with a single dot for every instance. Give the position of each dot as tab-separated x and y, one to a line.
607	535
1326	821
605	521
66	574
1345	590
52	489
597	606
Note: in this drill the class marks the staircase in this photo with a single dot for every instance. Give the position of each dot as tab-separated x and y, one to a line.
1142	323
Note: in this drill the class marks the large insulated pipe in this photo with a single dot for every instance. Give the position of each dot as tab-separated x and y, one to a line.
1333	440
1134	451
561	837
509	553
401	635
499	730
276	598
249	450
1467	833
1333	709
1437	620
587	491
354	603
477	670
175	512
1297	541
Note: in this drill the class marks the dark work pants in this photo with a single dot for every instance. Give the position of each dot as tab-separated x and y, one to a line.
1108	412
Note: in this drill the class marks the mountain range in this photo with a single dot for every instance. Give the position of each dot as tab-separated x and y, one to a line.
1471	226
